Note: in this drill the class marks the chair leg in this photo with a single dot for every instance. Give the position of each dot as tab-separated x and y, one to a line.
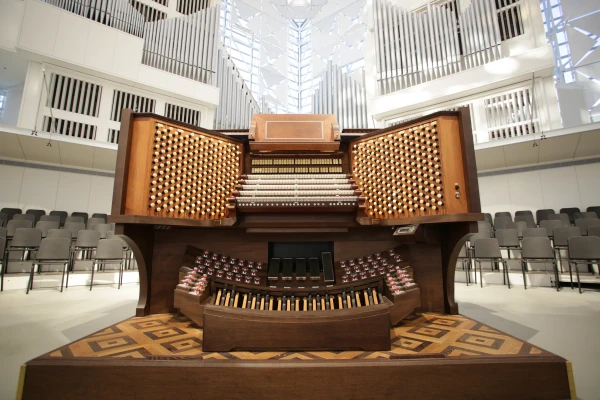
503	274
556	276
571	273
578	280
92	280
506	269
480	274
523	269
62	280
561	263
67	284
30	282
466	272
119	276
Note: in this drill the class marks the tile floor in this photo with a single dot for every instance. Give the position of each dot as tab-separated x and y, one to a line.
564	323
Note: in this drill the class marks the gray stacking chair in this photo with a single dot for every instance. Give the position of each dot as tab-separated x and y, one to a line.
501	221
542	215
60	234
489	250
488	218
36	213
24	240
75	218
503	214
471	246
595	209
484	226
585	223
585	214
91	222
3	220
53	218
87	241
51	251
110	251
594	231
538	250
128	254
564	218
13	225
103	229
583	250
60	214
83	215
45	226
11	212
523	212
561	239
570	211
28	217
527	218
518	226
508	239
3	233
535	232
550	225
101	215
75	228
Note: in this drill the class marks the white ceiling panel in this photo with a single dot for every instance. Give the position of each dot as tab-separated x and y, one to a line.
10	146
77	155
105	159
558	148
490	158
37	149
521	154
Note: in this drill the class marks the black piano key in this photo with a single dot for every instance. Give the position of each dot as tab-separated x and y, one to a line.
327	305
310	305
315	270
344	300
379	295
273	273
328	268
300	269
293	303
318	302
352	298
288	269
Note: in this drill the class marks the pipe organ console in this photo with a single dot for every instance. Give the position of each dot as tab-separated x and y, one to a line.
291	250
292	228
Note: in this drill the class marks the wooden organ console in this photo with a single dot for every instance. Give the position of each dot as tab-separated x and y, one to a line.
222	203
292	260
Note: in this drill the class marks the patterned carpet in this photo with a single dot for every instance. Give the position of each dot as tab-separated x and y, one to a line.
175	337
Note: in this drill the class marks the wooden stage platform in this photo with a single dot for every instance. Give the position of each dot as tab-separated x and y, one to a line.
433	356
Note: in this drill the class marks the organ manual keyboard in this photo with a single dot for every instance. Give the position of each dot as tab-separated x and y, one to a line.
294	253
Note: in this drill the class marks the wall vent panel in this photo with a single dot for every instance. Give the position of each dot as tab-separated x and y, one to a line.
182	114
74	95
137	103
69	128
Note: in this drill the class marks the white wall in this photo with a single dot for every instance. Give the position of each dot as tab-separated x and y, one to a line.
570	186
38	188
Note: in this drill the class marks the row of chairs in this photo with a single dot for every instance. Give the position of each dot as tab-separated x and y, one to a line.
534	249
34	215
568	216
45	226
550	226
60	249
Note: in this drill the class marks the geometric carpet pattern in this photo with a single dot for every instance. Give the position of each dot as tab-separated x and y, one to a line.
175	337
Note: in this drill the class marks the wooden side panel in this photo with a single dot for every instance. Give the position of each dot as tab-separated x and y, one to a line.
453	170
140	161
